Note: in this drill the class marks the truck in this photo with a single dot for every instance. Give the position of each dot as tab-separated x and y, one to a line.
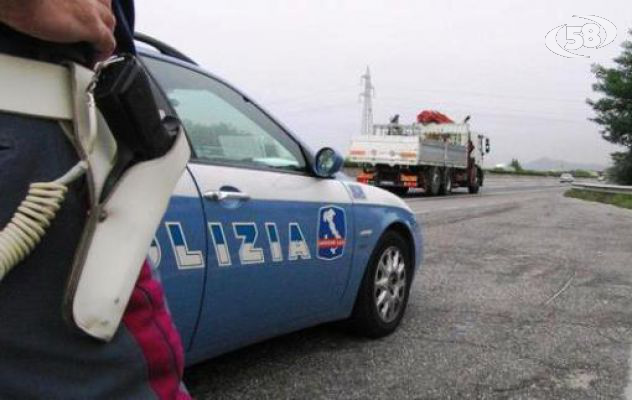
434	154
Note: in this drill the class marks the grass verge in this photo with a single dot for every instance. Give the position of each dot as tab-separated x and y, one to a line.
619	200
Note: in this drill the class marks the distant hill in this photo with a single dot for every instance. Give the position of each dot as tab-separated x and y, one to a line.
548	164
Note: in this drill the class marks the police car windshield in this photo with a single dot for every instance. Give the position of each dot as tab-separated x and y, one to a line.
223	126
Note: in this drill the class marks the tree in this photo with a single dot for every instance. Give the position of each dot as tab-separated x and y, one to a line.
515	164
614	110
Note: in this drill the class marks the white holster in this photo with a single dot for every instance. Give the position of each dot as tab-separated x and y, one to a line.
119	230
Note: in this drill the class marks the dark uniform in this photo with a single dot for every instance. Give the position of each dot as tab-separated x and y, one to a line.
41	355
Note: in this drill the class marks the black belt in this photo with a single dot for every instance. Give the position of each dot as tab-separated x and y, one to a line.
20	45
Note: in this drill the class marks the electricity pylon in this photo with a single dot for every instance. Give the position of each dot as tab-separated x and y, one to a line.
367	104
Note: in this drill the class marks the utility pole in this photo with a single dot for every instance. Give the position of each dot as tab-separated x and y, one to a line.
367	104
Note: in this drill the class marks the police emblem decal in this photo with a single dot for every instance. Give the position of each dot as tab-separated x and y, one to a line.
332	232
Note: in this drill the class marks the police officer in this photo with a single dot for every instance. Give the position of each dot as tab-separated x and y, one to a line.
41	355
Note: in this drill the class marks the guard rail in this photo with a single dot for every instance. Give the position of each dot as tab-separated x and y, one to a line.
598	187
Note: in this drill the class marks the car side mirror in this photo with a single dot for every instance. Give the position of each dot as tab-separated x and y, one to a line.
327	163
487	146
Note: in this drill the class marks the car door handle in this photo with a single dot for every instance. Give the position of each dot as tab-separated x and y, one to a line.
221	195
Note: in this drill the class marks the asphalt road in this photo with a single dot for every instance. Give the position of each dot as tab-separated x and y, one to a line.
523	294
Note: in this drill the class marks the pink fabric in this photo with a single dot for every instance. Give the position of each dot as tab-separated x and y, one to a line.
148	320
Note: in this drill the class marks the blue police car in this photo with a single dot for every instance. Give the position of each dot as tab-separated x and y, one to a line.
261	237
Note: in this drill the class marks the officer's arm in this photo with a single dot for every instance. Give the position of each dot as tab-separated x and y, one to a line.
63	21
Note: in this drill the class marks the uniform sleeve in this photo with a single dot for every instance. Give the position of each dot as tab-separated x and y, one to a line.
124	31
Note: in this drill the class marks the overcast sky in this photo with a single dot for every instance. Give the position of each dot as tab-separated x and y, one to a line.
302	60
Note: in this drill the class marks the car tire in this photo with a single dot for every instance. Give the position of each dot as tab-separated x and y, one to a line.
383	294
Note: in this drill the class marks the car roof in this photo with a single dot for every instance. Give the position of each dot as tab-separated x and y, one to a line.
161	47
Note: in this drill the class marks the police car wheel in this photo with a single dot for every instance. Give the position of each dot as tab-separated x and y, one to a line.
383	295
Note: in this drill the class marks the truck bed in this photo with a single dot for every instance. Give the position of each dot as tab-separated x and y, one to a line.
407	150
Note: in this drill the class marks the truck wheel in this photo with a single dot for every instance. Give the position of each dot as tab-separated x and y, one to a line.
433	181
446	184
383	294
474	187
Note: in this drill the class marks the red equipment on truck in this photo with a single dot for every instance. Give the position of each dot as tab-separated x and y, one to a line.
429	117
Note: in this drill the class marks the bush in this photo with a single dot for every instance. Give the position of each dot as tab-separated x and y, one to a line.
621	171
582	173
524	172
515	164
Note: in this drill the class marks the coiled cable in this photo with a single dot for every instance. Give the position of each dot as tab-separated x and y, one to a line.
33	217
